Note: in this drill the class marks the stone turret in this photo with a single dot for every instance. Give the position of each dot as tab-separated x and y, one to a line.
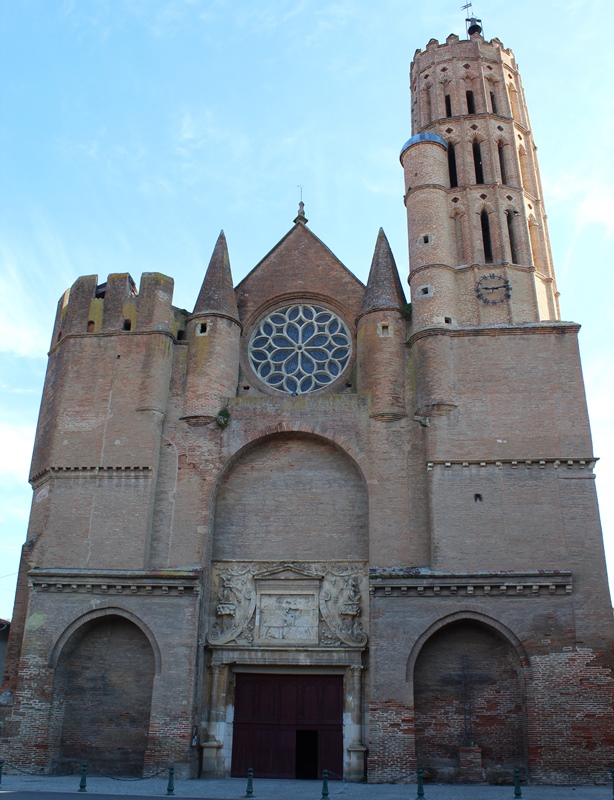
213	334
381	334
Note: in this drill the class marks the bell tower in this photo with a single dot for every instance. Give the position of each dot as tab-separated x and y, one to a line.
478	240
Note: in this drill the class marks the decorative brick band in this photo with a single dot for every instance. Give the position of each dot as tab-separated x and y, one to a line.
526	329
104	472
510	584
588	462
91	334
174	583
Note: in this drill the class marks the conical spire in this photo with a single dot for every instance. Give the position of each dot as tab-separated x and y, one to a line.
217	292
384	288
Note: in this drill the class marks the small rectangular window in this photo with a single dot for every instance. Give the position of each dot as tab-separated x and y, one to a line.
470	103
493	103
448	105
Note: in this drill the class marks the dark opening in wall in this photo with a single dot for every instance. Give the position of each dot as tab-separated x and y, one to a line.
203	328
127	326
500	148
477	163
90	326
486	237
493	103
512	236
448	105
180	335
447	320
452	165
478	498
470	103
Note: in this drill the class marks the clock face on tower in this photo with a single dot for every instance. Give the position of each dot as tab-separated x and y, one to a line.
493	289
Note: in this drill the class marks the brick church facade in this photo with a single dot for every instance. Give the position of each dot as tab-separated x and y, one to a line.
309	525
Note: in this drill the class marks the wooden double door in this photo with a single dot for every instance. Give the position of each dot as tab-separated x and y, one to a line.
288	726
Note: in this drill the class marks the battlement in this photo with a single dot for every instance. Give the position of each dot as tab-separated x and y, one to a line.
117	306
468	45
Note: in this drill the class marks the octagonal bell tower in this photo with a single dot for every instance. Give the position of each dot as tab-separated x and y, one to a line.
478	240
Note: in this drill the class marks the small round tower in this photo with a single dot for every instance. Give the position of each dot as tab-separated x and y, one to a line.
213	333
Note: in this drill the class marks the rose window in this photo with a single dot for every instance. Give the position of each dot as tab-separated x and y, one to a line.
300	348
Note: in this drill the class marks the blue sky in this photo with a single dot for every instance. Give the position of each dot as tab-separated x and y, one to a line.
132	131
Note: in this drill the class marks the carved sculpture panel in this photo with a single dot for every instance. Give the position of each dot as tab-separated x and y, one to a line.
289	604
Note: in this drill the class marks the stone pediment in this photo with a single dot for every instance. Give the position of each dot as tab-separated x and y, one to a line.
287	572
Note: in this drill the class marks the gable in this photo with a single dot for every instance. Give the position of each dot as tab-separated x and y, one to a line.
300	265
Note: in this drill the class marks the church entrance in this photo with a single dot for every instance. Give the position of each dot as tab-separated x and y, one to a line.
288	726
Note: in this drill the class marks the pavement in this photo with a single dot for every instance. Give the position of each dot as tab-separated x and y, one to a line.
23	787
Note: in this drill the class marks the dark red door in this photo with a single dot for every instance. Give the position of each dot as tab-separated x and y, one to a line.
288	726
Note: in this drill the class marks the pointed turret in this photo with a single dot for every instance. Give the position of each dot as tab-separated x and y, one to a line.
381	336
384	289
213	334
217	294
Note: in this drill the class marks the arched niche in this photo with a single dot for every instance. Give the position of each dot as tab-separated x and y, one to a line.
469	692
291	497
102	696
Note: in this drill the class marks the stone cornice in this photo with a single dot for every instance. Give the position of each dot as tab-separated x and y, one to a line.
91	472
588	462
391	582
523	329
164	582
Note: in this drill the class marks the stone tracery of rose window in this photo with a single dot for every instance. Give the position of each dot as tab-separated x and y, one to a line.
300	348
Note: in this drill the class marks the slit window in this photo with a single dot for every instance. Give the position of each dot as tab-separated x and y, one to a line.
486	242
470	103
452	165
477	163
493	103
500	149
512	236
448	105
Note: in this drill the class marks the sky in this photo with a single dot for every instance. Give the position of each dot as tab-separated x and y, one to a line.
132	131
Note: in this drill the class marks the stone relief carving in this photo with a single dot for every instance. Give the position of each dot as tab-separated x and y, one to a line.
320	604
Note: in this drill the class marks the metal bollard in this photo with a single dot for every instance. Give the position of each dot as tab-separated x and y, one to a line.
83	781
250	783
170	787
517	789
325	784
420	785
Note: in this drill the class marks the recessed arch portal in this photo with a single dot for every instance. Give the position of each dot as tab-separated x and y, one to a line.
469	691
102	696
291	496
